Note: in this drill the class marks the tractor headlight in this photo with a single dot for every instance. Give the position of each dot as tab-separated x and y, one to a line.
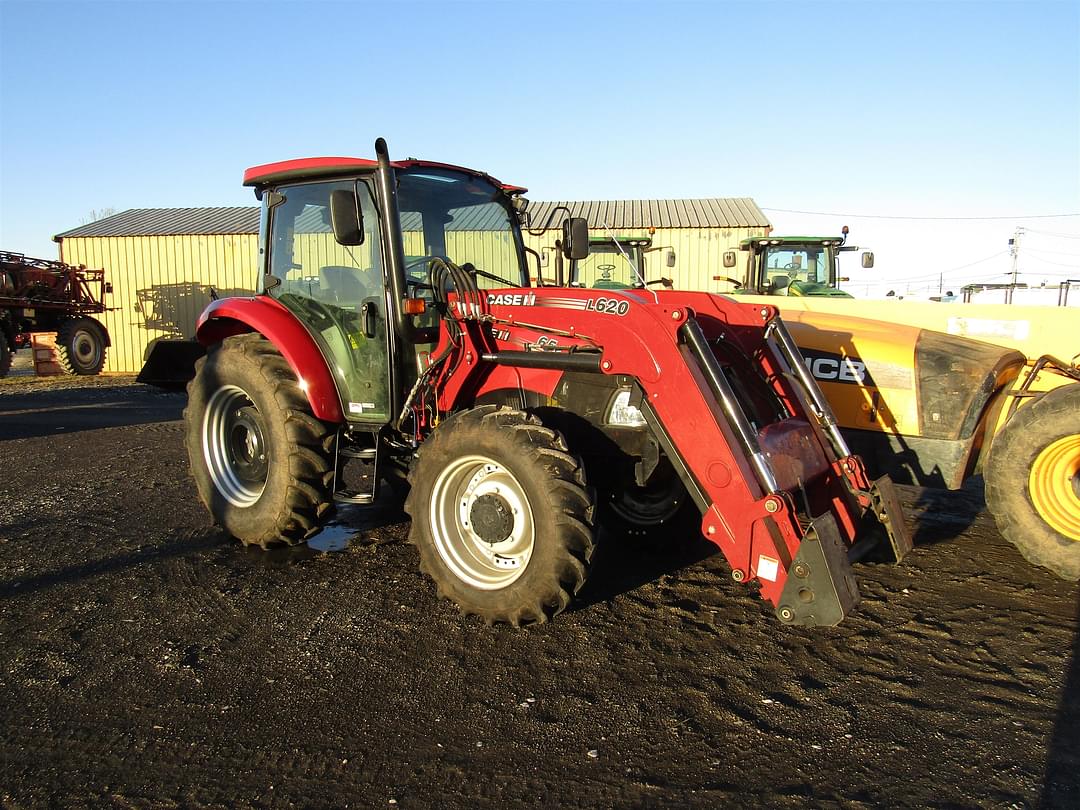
622	413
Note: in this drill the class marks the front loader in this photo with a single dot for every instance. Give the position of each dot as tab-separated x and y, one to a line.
395	324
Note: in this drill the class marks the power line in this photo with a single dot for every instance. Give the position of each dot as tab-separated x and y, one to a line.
1051	233
929	219
938	273
1058	264
1052	252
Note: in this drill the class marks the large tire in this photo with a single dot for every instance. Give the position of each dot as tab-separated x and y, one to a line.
81	345
1033	481
662	511
261	461
501	515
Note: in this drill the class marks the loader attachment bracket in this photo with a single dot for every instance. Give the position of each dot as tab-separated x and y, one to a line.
886	505
820	589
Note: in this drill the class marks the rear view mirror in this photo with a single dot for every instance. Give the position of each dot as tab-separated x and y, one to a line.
868	259
575	241
347	220
670	259
729	258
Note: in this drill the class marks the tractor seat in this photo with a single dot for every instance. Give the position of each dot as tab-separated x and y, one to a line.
342	285
779	284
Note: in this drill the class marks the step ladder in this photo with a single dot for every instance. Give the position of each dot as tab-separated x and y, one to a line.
363	446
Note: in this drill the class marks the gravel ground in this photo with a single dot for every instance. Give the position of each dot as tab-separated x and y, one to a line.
147	660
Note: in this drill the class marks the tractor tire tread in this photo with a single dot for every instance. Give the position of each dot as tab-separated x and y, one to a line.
1008	467
559	564
304	497
65	345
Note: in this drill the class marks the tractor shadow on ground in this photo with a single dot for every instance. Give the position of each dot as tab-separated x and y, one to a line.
1061	784
59	411
182	544
942	515
621	565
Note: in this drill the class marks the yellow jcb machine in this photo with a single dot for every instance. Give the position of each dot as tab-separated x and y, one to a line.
933	393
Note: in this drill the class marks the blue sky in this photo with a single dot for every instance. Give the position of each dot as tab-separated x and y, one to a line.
870	109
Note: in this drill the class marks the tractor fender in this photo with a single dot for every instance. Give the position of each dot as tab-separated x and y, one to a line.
101	326
262	314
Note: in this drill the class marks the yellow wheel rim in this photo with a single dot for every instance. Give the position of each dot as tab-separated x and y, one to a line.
1054	485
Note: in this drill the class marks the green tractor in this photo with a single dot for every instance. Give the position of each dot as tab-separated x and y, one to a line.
792	265
618	263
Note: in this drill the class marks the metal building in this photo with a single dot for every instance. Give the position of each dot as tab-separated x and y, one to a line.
163	262
699	231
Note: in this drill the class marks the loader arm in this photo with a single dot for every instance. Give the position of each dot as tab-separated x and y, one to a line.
781	499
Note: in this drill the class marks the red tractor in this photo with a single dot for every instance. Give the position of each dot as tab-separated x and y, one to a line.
395	323
40	295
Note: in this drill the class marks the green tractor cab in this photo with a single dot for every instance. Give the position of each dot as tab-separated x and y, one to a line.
792	265
618	263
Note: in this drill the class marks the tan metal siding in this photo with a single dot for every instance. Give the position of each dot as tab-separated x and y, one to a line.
699	254
161	284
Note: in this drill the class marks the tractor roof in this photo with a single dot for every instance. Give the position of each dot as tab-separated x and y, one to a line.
833	241
309	168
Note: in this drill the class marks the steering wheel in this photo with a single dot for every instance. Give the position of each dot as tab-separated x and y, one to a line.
423	261
792	266
417	273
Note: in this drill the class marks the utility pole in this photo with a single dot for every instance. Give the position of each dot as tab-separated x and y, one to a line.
1014	249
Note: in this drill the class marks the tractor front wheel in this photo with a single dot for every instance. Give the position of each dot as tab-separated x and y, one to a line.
260	459
1033	481
501	515
80	344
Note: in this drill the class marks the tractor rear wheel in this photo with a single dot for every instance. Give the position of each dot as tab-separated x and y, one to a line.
260	459
80	345
1033	481
501	515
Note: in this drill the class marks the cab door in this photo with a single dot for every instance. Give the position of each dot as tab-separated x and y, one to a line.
337	291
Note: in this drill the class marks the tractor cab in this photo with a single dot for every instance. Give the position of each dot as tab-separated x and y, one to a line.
792	265
362	285
617	263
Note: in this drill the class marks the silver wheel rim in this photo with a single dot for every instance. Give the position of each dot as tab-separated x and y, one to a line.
477	562
234	446
86	348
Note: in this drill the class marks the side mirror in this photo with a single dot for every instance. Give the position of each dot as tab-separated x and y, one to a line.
780	282
575	240
729	258
868	259
670	258
347	220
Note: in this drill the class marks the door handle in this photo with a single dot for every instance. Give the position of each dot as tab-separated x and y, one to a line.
369	315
